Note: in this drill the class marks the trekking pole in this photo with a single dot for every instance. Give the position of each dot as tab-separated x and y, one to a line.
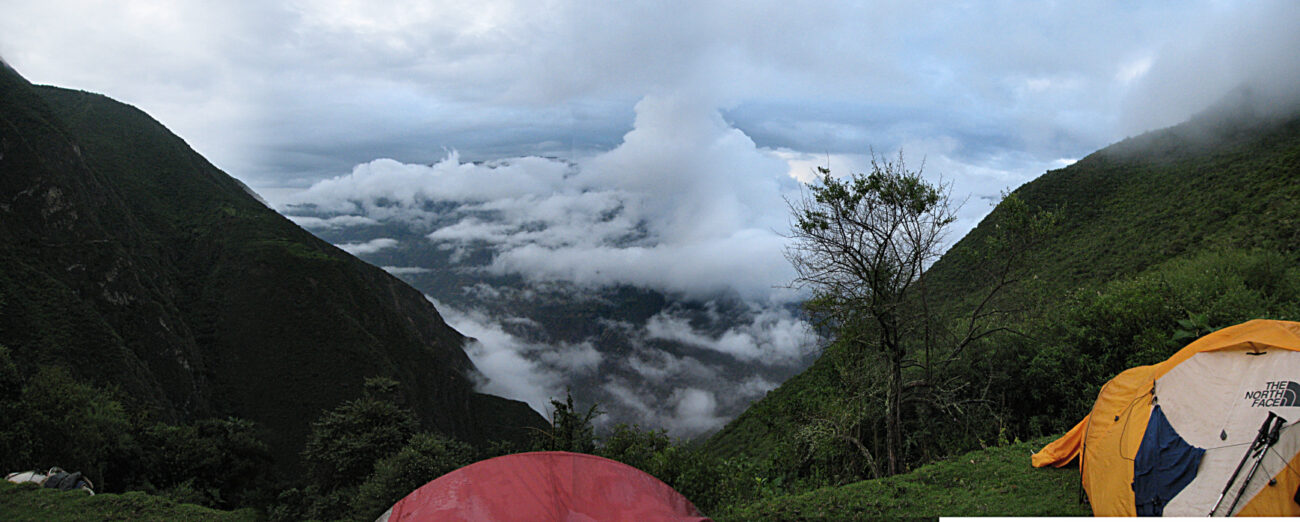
1254	444
1274	433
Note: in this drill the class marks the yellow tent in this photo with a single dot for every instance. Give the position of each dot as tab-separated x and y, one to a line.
1166	439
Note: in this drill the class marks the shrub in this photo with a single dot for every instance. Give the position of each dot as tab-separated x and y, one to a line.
427	457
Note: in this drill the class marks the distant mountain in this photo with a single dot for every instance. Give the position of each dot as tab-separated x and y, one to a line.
1229	178
129	259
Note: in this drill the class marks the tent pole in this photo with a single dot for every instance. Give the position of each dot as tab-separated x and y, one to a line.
1270	439
1256	446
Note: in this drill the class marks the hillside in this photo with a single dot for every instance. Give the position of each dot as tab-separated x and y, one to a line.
988	482
137	265
1224	179
1194	223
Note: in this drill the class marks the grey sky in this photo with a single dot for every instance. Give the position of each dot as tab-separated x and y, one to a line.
284	94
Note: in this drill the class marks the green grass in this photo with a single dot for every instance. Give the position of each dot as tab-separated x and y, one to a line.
20	502
992	482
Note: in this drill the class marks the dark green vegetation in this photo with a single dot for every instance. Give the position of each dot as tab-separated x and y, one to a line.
29	502
366	454
163	330
986	482
1156	240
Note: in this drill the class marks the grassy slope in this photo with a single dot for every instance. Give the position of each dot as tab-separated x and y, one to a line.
991	482
1205	184
28	502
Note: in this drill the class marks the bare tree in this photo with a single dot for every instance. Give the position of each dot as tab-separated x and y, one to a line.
861	244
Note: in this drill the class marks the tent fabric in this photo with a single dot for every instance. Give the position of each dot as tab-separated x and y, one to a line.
545	486
1164	465
1062	451
1112	432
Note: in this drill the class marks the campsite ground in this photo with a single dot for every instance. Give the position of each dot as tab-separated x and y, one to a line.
22	502
991	482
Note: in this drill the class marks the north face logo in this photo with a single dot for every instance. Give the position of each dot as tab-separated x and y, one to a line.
1276	394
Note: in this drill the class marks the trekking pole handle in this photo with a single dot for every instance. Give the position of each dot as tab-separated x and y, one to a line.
1260	442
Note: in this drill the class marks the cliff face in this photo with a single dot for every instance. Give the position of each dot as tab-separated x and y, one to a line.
129	259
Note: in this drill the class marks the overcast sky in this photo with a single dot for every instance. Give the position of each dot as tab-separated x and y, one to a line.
283	94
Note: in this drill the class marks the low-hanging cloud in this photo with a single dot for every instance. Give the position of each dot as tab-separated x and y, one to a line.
687	205
686	412
1252	48
406	270
512	367
772	336
336	222
647	385
368	247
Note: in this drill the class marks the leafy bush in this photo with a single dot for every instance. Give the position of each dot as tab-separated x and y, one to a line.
346	442
14	441
71	425
570	430
1051	379
427	457
633	446
213	462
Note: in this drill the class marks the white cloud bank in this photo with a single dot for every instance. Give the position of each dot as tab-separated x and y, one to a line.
773	336
335	222
686	205
512	367
369	247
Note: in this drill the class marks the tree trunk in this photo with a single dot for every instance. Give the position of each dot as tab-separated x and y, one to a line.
894	412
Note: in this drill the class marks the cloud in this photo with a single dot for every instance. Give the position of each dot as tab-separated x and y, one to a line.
644	383
687	412
369	247
773	336
686	204
283	94
574	358
405	270
1253	46
503	360
385	182
695	411
336	222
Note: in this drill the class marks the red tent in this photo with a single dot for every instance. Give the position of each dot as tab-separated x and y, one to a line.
545	486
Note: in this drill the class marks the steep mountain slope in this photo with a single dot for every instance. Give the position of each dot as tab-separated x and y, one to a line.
1227	179
132	261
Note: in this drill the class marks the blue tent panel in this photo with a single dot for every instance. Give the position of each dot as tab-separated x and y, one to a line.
1164	465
